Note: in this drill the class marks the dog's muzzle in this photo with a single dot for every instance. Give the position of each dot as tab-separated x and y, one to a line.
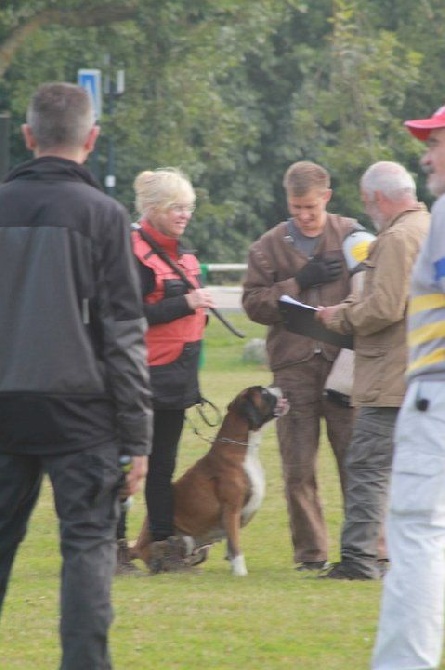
282	406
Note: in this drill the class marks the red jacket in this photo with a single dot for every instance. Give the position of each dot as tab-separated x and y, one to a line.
175	332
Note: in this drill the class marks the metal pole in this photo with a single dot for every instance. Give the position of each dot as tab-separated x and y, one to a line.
114	86
110	177
5	119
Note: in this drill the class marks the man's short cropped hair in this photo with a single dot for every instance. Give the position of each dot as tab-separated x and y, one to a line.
304	176
60	115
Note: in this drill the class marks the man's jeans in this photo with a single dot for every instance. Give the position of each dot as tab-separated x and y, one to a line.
368	470
85	494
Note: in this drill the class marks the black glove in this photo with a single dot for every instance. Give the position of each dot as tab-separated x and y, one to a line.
319	270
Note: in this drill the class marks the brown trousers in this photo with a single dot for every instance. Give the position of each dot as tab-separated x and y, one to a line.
298	436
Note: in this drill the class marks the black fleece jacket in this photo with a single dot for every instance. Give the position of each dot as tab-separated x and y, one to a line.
72	356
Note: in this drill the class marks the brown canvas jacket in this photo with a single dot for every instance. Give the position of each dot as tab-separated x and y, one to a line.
272	263
377	317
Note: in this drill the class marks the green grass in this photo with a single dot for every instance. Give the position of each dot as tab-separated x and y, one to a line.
273	619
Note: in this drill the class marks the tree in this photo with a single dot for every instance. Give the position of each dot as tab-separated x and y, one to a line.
235	91
19	21
346	113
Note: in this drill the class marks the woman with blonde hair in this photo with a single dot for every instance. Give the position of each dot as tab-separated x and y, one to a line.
176	317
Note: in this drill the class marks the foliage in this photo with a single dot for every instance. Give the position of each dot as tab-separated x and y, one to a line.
233	92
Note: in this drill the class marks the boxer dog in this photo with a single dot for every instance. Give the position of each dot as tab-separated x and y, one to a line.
221	492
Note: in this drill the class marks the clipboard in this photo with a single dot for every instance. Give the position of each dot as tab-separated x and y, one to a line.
300	319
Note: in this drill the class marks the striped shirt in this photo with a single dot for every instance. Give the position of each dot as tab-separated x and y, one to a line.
426	315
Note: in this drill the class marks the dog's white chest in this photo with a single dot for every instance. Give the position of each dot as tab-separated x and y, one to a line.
255	473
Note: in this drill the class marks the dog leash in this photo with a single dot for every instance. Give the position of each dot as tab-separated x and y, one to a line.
202	414
205	418
200	410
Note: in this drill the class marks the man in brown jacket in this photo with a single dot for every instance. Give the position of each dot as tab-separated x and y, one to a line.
376	319
302	257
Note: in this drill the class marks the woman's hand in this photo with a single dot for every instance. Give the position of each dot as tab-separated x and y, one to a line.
200	297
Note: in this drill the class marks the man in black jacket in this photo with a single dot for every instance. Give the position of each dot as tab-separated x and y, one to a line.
74	391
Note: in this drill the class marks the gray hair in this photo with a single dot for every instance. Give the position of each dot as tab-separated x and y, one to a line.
389	178
60	115
159	189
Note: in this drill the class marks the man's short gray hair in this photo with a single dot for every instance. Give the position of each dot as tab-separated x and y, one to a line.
60	115
389	178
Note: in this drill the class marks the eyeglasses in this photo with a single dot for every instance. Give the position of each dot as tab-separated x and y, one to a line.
182	209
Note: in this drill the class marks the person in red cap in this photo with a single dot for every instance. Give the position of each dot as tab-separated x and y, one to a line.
421	128
410	632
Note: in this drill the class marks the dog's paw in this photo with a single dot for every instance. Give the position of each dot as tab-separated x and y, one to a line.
239	568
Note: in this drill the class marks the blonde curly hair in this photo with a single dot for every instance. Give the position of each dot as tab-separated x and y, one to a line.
159	189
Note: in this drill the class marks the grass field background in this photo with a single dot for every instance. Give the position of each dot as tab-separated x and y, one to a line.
273	619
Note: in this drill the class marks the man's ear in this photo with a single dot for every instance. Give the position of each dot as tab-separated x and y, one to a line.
91	139
379	197
30	142
327	195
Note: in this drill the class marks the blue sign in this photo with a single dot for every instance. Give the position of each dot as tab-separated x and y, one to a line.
91	80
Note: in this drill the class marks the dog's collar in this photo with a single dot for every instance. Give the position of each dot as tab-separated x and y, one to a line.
227	439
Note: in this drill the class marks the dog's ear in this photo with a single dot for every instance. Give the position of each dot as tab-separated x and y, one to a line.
253	416
239	399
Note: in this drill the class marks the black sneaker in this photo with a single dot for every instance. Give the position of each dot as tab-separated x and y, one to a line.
312	566
345	571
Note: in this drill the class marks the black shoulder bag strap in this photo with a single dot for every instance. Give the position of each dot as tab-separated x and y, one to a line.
180	272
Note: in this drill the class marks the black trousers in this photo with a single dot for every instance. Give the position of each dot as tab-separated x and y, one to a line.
85	486
167	430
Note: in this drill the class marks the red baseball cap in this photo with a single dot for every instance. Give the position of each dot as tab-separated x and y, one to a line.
421	128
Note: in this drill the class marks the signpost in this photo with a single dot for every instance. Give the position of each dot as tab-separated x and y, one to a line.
113	88
91	79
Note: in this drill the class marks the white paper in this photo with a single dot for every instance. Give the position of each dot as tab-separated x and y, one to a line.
292	301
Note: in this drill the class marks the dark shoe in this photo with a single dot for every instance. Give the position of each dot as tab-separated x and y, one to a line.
345	571
124	565
170	555
198	556
312	566
383	566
